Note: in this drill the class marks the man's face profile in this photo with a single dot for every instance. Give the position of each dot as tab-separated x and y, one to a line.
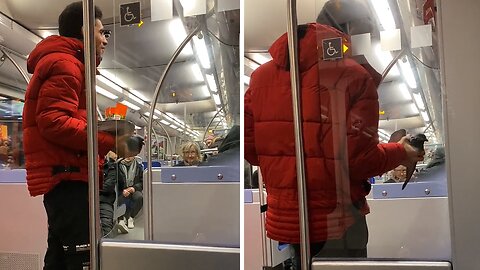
100	38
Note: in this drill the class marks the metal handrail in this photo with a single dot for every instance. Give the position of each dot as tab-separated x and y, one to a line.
211	121
148	182
300	164
263	201
19	68
391	64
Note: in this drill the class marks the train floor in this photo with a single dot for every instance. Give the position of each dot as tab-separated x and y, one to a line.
137	233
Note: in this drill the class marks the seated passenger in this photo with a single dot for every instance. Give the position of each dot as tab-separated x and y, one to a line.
399	174
130	181
228	151
438	157
435	169
250	179
190	153
255	179
108	193
4	153
209	141
123	178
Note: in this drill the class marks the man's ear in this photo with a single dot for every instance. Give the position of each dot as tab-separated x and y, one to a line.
95	25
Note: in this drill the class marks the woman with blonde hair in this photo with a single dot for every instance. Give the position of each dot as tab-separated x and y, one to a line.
190	153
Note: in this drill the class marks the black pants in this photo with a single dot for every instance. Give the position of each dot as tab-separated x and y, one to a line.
134	203
68	226
352	245
106	217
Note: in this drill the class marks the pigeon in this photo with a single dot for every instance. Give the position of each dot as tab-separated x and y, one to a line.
416	142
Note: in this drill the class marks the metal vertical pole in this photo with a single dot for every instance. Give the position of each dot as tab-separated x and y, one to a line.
147	187
296	99
90	71
263	201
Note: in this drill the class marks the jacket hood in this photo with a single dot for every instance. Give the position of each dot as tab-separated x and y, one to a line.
54	44
308	55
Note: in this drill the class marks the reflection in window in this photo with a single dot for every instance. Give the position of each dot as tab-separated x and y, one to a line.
11	136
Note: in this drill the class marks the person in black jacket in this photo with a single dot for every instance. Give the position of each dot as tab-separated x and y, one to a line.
228	152
108	193
122	179
130	183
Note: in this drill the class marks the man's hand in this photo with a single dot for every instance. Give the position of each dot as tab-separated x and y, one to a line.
111	155
413	156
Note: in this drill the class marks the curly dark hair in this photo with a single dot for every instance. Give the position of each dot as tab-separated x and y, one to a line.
70	21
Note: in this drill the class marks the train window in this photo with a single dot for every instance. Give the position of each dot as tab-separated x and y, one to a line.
198	99
198	102
369	73
11	149
13	82
12	87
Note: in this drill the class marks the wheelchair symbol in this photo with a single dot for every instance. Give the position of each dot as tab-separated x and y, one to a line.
331	51
129	16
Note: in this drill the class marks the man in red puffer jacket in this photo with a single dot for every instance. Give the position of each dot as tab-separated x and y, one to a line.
55	137
339	112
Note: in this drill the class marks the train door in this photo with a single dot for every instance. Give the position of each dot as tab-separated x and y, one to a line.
13	78
192	92
399	45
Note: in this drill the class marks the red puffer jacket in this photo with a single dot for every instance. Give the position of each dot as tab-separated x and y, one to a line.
54	115
270	142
